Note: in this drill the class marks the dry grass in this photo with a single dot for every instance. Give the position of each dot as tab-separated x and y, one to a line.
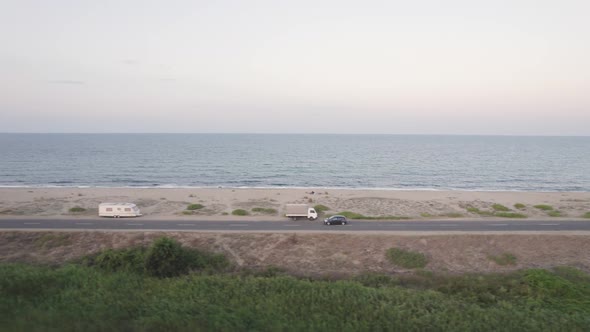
318	254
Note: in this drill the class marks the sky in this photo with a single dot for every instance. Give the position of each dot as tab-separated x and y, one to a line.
517	67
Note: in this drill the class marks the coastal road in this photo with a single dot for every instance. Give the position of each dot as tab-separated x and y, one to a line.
140	224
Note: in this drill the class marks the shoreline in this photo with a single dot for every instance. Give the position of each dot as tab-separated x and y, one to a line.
218	203
172	187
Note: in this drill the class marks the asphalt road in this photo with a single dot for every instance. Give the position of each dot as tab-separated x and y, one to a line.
140	224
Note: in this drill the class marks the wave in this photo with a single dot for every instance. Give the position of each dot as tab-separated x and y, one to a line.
176	186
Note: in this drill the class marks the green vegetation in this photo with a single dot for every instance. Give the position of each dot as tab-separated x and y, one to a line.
504	259
544	207
452	215
510	215
264	210
164	258
426	215
478	211
500	214
500	207
192	207
354	215
321	208
77	209
520	206
555	213
115	291
407	259
53	240
586	215
224	213
186	212
240	212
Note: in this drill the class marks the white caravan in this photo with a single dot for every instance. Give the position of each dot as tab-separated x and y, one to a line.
295	211
118	210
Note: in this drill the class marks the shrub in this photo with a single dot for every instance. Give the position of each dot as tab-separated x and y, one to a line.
407	259
351	215
264	210
77	209
504	259
111	260
478	211
452	215
555	213
520	206
509	215
165	259
240	212
321	208
426	215
500	207
544	207
354	215
185	212
586	215
192	207
53	240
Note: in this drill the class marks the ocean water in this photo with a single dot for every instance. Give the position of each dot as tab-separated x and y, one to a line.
396	162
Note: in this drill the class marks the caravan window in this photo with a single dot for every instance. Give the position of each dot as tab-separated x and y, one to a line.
128	209
109	209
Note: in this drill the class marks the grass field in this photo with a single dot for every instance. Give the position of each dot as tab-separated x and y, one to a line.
118	291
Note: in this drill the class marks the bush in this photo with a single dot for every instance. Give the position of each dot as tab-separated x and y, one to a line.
520	206
354	215
264	210
111	260
452	215
407	259
165	259
586	215
504	259
321	208
240	212
555	213
77	209
478	211
53	240
509	215
500	207
544	207
192	207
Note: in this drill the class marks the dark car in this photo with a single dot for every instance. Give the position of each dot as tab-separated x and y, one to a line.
336	220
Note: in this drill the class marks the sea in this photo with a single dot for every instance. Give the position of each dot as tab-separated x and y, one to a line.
385	162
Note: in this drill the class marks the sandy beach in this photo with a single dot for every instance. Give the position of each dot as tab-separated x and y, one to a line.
218	203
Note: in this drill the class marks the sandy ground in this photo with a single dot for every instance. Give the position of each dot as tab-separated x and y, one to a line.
320	254
219	203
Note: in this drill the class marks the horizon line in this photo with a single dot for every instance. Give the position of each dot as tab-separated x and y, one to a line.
271	133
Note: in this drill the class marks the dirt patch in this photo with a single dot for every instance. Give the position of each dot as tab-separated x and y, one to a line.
319	254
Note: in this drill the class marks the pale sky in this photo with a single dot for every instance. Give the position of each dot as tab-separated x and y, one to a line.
507	67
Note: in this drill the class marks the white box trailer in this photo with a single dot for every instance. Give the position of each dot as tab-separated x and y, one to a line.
295	211
118	210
